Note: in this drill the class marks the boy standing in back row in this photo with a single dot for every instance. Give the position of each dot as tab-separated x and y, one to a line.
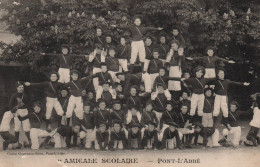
137	40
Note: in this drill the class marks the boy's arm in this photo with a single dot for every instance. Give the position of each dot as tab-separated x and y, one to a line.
35	84
224	60
209	80
129	139
155	118
99	140
178	141
152	28
106	140
92	56
238	83
49	54
161	122
68	139
23	118
139	139
173	78
75	139
164	139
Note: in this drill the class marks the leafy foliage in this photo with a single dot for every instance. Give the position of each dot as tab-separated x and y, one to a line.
232	27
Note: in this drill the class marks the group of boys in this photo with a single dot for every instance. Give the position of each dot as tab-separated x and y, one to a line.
137	97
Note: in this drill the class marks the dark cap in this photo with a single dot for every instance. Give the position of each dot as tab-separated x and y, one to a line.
172	124
135	125
152	123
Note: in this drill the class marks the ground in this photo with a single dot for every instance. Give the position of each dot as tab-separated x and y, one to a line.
221	156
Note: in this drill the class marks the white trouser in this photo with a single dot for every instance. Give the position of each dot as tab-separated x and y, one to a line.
184	131
210	73
220	103
89	136
118	144
100	90
160	136
64	74
153	77
166	93
175	71
197	100
134	143
18	123
159	116
59	141
95	80
237	134
97	147
147	82
137	49
150	143
215	138
113	75
207	120
123	64
53	103
146	64
76	105
35	134
171	143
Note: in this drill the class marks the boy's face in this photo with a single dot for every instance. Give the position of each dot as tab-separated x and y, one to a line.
133	91
83	93
137	22
103	68
64	51
20	89
105	87
185	95
233	108
169	107
208	93
151	127
121	77
112	53
148	107
74	76
86	109
119	88
162	72
99	32
53	77
64	93
102	129
221	74
160	90
199	74
117	128
162	40
197	129
117	106
135	130
37	109
76	129
175	46
155	55
108	39
102	105
210	52
148	42
184	109
172	128
175	32
122	41
186	75
90	95
142	88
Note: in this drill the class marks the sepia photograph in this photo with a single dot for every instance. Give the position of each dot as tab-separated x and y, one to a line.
149	83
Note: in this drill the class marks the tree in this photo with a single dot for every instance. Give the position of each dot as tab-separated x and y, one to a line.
232	27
